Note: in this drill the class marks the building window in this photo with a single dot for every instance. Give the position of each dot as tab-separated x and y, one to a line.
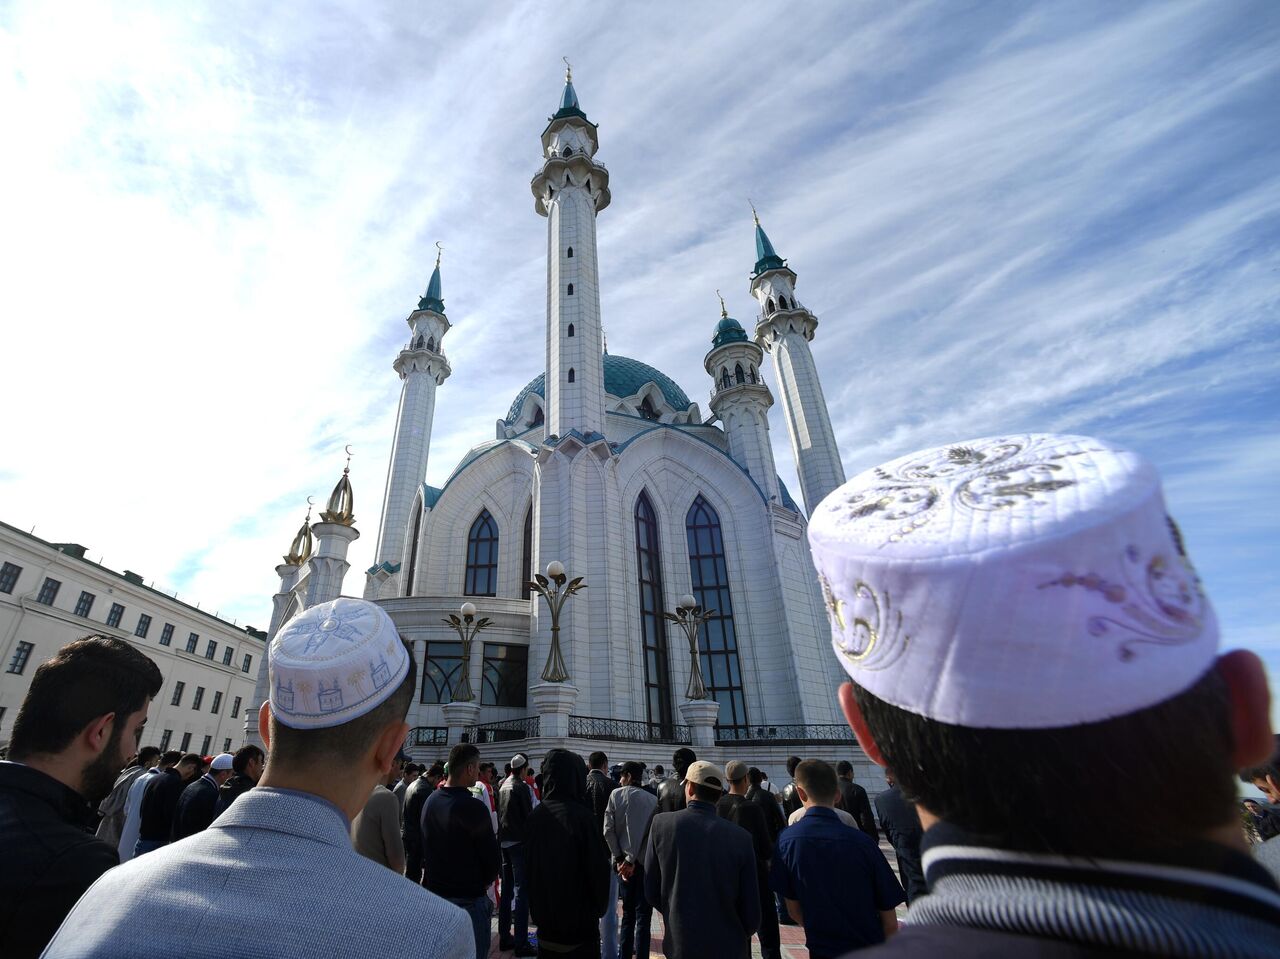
248	661
505	678
717	641
211	650
48	591
657	684
226	745
227	654
526	554
571	289
165	738
192	641
235	707
177	694
768	305
20	657
217	702
739	375
116	614
204	746
571	253
166	634
144	626
9	577
646	410
442	672
195	703
85	603
186	742
571	374
571	329
482	557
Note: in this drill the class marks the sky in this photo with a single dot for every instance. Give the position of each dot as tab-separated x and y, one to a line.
215	218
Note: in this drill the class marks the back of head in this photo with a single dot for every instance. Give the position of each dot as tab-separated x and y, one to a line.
684	757
85	679
564	777
191	764
461	756
792	763
245	755
169	759
755	775
597	760
844	768
148	756
635	769
818	780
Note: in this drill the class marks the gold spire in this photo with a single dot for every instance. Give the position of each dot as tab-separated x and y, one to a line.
300	549
754	215
724	314
568	70
341	500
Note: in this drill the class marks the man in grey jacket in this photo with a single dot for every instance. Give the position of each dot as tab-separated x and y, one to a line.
626	817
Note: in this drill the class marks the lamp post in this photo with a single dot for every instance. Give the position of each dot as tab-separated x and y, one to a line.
467	627
690	617
555	590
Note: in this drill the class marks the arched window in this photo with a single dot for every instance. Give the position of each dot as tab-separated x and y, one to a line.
526	555
717	641
538	418
418	343
571	329
566	176
753	375
571	253
431	344
738	375
482	557
571	374
768	305
725	382
566	152
646	409
413	548
571	289
588	184
657	683
782	302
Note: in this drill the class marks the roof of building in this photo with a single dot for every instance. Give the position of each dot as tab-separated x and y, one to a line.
431	299
766	256
728	330
623	377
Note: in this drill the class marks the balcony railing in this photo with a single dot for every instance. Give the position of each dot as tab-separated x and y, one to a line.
782	735
627	730
505	731
429	736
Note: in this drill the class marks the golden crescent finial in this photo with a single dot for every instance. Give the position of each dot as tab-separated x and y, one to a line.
568	70
347	469
754	215
723	312
439	252
309	505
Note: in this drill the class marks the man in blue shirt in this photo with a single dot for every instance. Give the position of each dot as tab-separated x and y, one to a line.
834	879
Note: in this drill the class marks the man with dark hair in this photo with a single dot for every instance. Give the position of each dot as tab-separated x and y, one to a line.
568	863
767	802
599	786
415	799
459	850
1031	650
375	832
515	803
112	808
626	820
133	804
853	800
246	766
1266	777
790	798
739	810
79	723
700	873
276	875
409	774
671	791
857	908
199	801
902	828
160	803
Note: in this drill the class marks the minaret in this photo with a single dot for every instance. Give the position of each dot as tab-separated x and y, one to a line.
570	189
785	329
334	534
741	400
422	367
283	606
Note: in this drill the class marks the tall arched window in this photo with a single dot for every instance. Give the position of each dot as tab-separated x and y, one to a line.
782	301
717	640
482	557
571	289
768	305
738	375
657	684
431	344
571	374
571	253
418	343
571	329
646	409
526	556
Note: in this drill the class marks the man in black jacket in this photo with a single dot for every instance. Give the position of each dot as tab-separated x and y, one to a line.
247	767
415	798
739	809
568	863
79	723
767	801
199	801
515	802
853	800
599	785
459	851
671	791
902	828
790	798
160	803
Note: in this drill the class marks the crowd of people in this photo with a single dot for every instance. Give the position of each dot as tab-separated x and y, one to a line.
1025	670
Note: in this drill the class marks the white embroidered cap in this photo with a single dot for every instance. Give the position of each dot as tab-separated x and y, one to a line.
1017	582
333	663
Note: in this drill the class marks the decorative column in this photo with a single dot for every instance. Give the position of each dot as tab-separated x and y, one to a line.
554	697
700	716
335	534
463	712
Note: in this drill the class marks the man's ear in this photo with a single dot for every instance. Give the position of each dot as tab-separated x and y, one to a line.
853	715
800	791
264	724
387	746
98	733
1250	704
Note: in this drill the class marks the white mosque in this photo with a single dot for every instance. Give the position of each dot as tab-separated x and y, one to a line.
603	464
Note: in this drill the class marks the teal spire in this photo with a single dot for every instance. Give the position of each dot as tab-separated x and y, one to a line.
728	330
766	257
569	99
431	299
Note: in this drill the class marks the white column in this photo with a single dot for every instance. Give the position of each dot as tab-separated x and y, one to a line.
808	422
281	604
329	562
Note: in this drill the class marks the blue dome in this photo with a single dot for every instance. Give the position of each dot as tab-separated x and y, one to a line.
728	330
623	376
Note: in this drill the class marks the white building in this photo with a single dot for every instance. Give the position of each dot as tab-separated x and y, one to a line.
604	464
50	594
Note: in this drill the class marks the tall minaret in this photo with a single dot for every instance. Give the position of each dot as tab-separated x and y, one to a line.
422	367
570	189
785	329
334	534
741	400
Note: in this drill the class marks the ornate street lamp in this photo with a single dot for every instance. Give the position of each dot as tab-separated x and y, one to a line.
690	616
555	595
467	627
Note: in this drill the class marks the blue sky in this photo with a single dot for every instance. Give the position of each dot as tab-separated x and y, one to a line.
1060	216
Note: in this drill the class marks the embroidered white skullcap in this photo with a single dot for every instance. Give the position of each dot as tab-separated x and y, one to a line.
335	662
1014	582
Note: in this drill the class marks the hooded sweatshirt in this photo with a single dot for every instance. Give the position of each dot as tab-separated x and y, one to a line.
567	862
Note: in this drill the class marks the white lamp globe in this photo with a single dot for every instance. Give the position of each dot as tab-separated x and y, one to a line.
468	609
687	601
555	569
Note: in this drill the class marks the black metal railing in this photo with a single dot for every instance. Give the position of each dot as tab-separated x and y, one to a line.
429	736
504	731
782	735
627	730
